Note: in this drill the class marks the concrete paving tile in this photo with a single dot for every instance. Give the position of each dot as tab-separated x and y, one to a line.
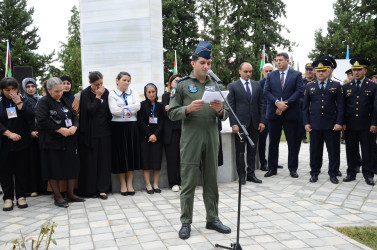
294	244
152	245
264	239
104	244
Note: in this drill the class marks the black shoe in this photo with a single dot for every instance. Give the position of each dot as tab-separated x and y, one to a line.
264	167
305	141
271	173
349	178
369	181
219	227
184	232
313	179
149	191
338	173
102	196
280	166
157	190
131	193
78	199
61	204
334	180
243	181
294	174
124	193
253	178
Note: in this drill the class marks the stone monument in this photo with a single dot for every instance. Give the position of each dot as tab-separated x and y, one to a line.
122	35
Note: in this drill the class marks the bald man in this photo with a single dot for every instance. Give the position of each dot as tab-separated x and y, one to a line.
246	99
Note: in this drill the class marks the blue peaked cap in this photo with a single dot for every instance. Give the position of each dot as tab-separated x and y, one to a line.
204	49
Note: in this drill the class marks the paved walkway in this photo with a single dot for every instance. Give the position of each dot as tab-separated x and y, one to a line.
281	213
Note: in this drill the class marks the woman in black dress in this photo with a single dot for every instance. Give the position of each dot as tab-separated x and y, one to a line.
124	104
35	183
150	123
172	137
15	143
57	123
95	139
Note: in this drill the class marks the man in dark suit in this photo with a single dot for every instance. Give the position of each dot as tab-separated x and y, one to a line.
360	121
246	99
323	118
283	89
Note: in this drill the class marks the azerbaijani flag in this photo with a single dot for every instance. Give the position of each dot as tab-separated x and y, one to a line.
175	71
262	62
8	65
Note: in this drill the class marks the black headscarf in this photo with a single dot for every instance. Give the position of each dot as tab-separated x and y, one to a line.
68	95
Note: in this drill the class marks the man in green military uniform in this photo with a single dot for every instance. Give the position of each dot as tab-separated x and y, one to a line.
199	139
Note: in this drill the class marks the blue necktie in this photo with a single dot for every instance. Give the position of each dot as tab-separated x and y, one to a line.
248	90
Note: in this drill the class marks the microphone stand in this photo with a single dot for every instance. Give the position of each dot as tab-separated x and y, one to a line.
244	135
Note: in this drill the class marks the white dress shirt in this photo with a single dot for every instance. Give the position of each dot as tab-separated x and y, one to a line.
117	104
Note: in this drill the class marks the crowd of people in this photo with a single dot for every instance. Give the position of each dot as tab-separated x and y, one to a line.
71	144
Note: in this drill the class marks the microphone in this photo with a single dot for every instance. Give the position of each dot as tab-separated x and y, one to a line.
214	76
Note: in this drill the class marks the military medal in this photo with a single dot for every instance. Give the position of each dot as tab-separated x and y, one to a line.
193	88
172	94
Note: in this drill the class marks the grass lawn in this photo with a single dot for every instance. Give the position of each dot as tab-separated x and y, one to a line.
365	235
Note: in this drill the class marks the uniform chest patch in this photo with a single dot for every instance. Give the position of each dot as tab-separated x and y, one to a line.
172	94
193	88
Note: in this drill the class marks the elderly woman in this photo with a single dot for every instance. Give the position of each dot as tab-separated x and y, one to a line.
95	139
172	136
150	126
67	94
124	103
35	183
15	143
57	123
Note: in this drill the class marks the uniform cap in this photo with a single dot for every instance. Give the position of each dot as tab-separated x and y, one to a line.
321	64
359	63
348	71
204	49
309	66
332	61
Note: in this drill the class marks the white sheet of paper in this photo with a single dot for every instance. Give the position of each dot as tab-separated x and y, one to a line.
210	96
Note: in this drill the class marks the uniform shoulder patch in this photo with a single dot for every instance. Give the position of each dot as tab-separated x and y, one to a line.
183	78
172	94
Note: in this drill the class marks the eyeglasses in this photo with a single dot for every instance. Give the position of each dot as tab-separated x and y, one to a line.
267	71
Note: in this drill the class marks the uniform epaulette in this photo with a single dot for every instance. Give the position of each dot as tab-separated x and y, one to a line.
184	78
372	81
334	81
310	82
347	82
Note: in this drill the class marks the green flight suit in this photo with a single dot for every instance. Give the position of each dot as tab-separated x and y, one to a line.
199	142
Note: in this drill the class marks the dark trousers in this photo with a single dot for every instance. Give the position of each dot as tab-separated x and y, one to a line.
367	142
173	159
301	134
95	168
14	174
290	130
35	182
332	140
251	152
262	146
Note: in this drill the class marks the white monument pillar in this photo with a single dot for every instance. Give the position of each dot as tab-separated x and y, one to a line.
122	35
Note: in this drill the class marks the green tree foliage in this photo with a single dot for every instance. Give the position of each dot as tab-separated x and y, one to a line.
70	53
180	31
16	26
355	25
239	29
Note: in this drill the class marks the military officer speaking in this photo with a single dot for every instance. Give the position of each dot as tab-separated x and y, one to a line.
199	140
323	115
360	120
